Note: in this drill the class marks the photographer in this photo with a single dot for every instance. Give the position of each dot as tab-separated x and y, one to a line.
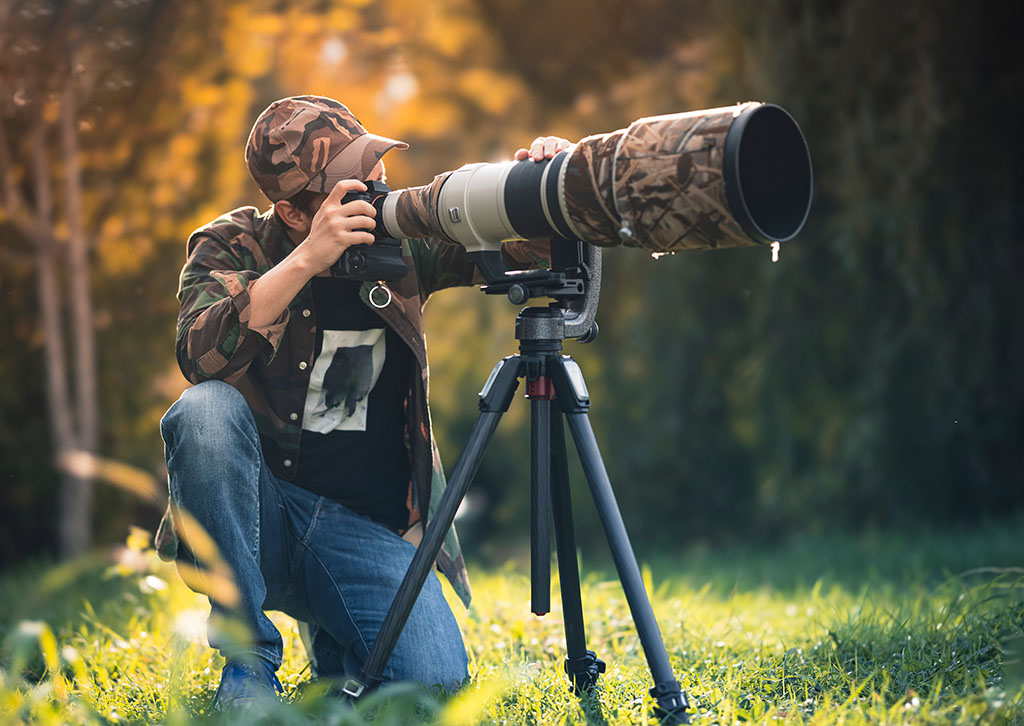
305	450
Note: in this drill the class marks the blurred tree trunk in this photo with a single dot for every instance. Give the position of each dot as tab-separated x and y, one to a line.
36	223
107	150
58	400
77	490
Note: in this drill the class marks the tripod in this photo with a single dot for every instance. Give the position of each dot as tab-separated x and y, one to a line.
556	389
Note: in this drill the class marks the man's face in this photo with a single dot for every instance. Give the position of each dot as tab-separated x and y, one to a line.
378	174
300	222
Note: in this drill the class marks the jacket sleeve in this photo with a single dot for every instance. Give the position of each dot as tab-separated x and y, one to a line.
214	339
441	264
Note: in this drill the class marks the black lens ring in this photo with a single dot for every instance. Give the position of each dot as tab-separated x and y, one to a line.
376	193
551	195
734	192
731	172
523	203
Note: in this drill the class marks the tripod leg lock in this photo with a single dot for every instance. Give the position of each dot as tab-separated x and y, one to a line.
500	387
672	703
583	671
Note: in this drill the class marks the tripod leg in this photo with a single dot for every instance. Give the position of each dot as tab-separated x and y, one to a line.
494	401
581	665
671	700
540	506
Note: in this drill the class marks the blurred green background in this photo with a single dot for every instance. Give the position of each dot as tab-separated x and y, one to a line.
869	379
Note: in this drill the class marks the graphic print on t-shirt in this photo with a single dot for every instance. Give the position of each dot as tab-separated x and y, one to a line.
343	376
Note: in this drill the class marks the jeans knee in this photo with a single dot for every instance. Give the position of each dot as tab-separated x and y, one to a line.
205	413
210	436
431	650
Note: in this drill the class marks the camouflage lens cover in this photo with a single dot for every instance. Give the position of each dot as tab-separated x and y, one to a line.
670	185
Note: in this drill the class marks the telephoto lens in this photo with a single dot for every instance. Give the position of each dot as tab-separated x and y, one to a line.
723	177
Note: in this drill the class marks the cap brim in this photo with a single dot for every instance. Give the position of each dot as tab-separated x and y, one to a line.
355	161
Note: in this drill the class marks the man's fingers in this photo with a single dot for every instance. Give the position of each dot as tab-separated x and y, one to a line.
554	144
344	187
361	238
358	206
543	147
352	224
537	149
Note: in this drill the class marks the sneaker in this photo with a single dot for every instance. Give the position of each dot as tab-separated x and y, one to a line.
245	683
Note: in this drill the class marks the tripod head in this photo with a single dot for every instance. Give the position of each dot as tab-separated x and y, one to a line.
573	280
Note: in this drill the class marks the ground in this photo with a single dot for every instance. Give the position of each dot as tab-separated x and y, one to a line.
922	628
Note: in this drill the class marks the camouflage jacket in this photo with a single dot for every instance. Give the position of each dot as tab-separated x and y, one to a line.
271	365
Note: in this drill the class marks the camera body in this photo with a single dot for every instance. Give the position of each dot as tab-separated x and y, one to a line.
381	261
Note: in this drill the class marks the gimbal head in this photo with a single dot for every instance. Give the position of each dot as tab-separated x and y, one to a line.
573	280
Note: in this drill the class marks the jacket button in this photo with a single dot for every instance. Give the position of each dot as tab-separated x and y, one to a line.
287	462
303	365
293	416
306	313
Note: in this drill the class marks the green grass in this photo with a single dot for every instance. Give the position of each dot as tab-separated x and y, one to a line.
900	629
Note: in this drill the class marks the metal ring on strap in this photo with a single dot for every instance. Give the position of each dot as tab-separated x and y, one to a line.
375	303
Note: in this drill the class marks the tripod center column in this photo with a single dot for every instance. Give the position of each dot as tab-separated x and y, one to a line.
540	388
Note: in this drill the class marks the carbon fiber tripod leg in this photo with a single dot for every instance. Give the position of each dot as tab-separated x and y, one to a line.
581	665
494	401
668	694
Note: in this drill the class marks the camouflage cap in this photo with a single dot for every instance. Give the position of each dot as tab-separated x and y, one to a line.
310	142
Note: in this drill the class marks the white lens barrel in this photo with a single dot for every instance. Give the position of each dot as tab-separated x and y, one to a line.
390	218
483	205
471	206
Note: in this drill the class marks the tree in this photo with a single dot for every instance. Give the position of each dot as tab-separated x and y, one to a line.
87	123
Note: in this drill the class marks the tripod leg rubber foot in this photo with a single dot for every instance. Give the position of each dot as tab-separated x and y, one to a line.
671	703
583	672
670	718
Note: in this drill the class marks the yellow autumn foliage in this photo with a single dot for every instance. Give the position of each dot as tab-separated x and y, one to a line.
494	92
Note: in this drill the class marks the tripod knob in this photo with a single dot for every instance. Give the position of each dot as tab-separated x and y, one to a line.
591	335
518	294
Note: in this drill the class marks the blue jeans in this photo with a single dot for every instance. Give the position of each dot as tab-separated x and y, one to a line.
295	551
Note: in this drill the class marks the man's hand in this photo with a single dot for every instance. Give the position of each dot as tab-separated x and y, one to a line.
337	226
543	147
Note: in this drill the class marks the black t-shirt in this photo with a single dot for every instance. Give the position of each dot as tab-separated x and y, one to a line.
353	427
